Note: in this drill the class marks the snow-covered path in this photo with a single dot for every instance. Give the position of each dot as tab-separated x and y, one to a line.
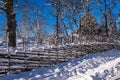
95	66
106	71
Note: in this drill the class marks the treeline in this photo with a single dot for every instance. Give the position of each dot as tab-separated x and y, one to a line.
65	20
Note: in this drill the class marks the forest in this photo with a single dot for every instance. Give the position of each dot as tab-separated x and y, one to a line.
59	21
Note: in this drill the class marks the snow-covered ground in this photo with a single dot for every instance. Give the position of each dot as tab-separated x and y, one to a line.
95	66
31	45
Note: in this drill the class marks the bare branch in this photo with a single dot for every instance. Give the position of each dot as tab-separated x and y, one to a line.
2	8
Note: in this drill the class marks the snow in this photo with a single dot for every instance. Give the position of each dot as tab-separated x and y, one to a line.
116	77
30	45
94	66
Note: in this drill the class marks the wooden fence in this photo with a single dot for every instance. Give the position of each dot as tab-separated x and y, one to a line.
24	61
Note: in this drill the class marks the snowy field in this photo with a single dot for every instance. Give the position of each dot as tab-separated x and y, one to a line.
31	45
95	66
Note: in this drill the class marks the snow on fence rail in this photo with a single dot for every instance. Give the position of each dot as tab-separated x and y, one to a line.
23	61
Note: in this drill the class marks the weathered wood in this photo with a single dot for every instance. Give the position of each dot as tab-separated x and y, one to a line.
22	61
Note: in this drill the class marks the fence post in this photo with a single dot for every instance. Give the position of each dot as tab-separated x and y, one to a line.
49	56
9	62
49	53
25	60
39	58
64	53
56	52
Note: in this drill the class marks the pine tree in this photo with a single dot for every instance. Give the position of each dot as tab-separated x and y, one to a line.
89	25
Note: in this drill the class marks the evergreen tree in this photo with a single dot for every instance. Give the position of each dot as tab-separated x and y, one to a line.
89	25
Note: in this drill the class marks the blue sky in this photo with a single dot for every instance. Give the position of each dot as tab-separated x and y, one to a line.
51	20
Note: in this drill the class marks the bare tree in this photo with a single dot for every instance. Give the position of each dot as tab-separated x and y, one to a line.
57	5
73	14
107	6
32	21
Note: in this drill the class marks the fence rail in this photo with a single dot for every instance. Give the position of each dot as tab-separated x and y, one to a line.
23	61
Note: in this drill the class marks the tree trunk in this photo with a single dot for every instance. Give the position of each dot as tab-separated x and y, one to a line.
106	21
11	22
57	25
